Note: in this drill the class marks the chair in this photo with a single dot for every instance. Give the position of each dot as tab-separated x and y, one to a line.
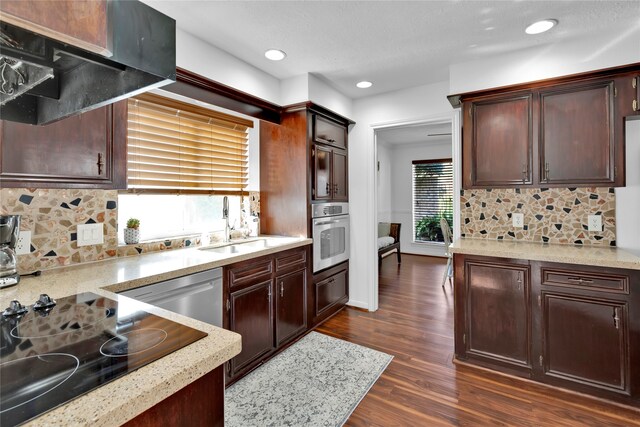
446	234
388	240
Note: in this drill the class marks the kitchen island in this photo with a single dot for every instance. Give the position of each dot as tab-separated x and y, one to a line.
131	395
563	315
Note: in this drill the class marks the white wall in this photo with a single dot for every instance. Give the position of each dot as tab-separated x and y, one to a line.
401	189
628	198
383	182
209	61
399	106
545	61
323	94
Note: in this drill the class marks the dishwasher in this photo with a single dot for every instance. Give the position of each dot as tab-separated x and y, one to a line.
198	295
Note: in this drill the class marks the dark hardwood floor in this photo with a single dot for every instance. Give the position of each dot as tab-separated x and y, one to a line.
422	387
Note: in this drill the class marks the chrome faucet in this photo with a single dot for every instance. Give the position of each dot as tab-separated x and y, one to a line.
225	216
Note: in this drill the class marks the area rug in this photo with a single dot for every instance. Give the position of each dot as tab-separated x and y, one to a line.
318	381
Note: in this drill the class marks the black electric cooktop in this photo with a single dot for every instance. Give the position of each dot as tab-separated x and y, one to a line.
53	354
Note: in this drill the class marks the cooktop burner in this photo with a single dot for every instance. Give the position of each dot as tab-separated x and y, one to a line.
50	355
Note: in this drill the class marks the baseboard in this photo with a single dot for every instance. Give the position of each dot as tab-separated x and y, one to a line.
358	304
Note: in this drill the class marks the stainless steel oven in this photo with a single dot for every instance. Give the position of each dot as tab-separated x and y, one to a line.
330	234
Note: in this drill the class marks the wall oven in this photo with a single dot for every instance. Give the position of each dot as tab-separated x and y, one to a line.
330	234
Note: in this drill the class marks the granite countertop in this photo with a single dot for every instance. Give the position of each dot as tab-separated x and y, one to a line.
603	256
123	399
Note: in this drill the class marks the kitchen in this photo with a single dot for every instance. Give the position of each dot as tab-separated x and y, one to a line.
377	109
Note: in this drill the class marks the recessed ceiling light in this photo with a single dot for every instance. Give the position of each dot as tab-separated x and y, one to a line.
364	84
541	26
275	54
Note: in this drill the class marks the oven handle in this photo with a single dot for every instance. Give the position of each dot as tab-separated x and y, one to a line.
328	222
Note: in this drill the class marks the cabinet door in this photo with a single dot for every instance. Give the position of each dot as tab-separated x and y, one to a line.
328	132
330	292
585	342
83	151
340	175
322	173
291	300
577	138
500	139
498	316
251	316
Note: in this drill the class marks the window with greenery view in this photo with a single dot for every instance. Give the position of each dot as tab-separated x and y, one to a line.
432	198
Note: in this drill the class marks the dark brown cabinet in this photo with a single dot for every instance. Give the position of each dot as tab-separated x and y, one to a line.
330	292
564	132
574	326
577	138
266	300
496	299
83	151
501	138
251	316
585	341
291	304
330	174
326	131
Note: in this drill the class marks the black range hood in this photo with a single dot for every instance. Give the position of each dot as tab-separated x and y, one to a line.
43	80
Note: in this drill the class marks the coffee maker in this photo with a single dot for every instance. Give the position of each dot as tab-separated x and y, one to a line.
9	229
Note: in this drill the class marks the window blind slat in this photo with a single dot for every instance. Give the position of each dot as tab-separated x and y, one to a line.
175	145
432	197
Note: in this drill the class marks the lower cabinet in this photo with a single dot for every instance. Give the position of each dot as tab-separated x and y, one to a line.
266	301
498	329
330	292
571	326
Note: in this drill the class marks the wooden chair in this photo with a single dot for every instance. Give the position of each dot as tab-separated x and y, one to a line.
394	231
447	235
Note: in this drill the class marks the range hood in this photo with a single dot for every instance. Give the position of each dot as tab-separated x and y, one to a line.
43	80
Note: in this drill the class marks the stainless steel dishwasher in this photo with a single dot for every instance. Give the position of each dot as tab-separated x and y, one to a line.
198	295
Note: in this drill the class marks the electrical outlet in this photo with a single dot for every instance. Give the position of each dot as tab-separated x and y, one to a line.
90	234
23	246
595	223
518	220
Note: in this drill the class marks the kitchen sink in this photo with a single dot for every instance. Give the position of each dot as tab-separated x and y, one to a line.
250	246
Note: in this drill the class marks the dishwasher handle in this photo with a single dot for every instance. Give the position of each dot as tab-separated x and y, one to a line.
159	298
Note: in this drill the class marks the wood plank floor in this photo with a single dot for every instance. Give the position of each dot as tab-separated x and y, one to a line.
422	387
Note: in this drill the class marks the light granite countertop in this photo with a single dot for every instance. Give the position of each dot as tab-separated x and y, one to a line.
604	256
123	399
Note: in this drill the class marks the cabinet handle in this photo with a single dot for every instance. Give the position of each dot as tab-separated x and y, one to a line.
616	318
335	189
269	296
519	281
634	105
100	163
327	189
546	171
524	172
331	140
579	280
281	289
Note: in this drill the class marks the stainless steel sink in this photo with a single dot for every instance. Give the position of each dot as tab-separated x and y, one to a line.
250	246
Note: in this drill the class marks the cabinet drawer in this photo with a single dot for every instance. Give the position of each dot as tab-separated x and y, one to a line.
607	282
291	259
326	131
249	273
330	291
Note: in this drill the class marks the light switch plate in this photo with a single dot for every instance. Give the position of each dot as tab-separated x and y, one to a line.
595	223
90	234
518	220
23	246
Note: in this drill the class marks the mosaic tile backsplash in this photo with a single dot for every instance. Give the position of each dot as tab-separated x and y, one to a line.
554	215
53	215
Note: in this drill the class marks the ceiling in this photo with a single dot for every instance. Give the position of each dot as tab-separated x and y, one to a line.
413	134
394	44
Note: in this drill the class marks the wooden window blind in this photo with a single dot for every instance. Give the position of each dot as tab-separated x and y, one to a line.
175	147
432	197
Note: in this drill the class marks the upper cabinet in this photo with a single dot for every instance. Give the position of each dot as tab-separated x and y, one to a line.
330	174
83	151
501	141
327	131
566	132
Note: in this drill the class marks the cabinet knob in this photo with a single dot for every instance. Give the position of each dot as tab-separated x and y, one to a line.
100	163
616	318
524	172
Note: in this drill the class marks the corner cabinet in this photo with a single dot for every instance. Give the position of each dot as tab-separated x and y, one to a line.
83	151
564	132
574	326
266	301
